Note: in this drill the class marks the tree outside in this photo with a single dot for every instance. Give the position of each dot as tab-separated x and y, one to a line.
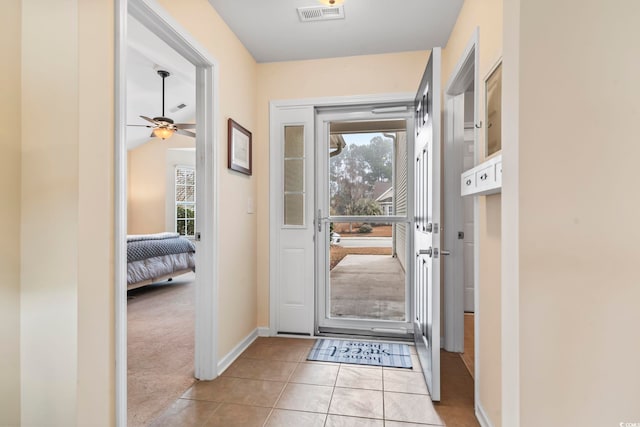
354	173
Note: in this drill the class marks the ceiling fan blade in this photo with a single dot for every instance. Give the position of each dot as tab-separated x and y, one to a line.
149	120
186	132
185	125
141	126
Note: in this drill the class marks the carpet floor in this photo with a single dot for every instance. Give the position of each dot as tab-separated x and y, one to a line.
160	347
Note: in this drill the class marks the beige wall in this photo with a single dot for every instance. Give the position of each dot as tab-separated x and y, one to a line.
578	210
487	15
147	184
10	31
66	219
95	301
358	75
237	228
49	257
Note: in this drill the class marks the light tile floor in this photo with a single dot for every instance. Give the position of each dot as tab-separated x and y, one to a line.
271	384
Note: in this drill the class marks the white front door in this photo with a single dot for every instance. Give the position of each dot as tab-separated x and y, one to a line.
292	209
427	224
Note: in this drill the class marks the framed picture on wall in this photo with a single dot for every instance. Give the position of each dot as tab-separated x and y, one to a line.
493	85
239	148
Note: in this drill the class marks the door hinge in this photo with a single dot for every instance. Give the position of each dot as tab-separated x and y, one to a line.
197	236
460	235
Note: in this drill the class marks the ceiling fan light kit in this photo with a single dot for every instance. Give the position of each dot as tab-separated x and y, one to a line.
163	132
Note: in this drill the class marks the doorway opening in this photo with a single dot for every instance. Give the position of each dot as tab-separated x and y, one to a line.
300	230
160	186
161	222
461	132
362	244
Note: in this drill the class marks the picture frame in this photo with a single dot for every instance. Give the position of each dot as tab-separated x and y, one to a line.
493	110
239	148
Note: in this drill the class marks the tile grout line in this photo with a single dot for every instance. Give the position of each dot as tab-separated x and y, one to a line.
333	390
384	414
279	396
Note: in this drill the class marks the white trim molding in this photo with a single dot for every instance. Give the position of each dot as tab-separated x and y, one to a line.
465	72
264	331
120	213
230	357
482	417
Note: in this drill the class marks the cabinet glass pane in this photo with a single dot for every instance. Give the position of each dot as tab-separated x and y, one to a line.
293	141
293	175
294	209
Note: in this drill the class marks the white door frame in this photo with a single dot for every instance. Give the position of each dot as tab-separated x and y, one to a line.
467	69
274	170
158	21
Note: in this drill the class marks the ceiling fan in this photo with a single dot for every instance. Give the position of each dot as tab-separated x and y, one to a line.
164	127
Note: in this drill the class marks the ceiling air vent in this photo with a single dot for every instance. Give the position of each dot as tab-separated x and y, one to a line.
178	108
320	13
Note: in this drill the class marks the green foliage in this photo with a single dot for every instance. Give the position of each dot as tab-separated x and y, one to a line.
365	228
366	207
185	220
355	171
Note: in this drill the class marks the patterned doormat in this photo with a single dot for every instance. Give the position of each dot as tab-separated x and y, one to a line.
361	353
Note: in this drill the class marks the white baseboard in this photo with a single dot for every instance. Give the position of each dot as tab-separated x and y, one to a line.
264	331
230	357
481	415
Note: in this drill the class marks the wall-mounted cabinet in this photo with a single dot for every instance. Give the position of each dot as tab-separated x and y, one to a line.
486	178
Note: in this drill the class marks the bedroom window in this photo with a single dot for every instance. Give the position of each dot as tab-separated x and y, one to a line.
185	201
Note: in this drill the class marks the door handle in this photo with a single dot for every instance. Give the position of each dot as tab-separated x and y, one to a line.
320	219
426	252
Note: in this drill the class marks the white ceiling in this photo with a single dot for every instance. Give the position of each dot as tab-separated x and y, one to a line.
146	54
271	30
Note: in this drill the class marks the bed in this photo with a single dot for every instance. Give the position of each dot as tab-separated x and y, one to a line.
156	257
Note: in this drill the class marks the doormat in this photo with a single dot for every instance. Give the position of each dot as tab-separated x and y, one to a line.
361	353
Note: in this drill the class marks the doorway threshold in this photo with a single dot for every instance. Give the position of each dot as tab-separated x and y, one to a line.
375	335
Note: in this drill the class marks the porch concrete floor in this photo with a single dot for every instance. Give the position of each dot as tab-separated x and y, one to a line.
368	287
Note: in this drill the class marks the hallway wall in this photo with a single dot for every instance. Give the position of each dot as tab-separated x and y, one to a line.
572	272
66	335
10	111
237	228
357	75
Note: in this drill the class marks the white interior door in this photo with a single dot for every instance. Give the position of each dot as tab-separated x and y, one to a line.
427	224
292	209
